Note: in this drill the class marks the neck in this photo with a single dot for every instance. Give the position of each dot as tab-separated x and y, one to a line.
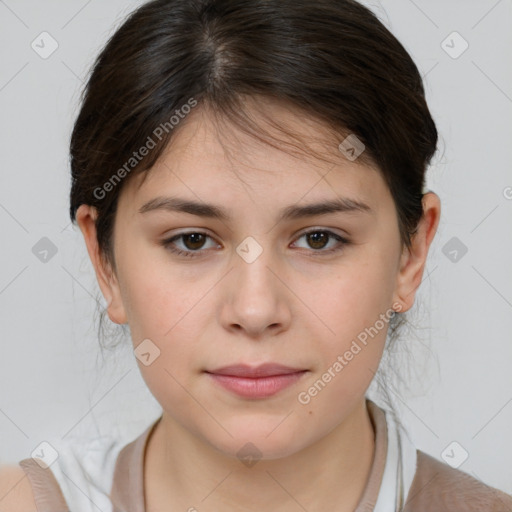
182	472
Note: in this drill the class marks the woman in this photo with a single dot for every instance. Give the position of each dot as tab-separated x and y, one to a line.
249	179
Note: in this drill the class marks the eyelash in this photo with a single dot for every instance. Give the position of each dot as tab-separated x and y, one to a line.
168	244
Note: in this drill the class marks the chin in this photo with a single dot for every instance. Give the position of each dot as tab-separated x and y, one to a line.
253	442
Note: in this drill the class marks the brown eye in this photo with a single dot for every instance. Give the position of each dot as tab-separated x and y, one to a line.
193	241
191	244
317	239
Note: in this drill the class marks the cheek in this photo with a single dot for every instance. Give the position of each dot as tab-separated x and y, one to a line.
163	306
169	320
355	296
354	311
153	295
354	307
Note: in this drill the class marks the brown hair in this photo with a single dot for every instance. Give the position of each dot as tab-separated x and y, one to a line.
331	59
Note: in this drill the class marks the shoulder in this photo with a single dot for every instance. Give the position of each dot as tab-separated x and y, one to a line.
81	474
15	490
439	487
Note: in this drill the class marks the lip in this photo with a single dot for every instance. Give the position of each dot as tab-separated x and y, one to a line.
263	370
256	382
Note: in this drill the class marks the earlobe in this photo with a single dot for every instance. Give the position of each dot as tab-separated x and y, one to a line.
413	259
86	219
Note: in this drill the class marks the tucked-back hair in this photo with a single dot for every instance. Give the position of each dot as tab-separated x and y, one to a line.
331	60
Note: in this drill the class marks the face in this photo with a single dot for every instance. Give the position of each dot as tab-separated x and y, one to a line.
310	292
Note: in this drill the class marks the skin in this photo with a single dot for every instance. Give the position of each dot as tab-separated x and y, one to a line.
291	305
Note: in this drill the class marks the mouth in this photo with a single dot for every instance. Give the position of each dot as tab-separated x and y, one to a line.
256	382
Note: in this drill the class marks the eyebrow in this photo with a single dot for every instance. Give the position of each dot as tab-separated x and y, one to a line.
200	209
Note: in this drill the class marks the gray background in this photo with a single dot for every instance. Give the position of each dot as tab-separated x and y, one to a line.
52	379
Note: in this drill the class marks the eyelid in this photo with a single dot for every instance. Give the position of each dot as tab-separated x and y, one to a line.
343	239
199	231
342	242
335	231
206	232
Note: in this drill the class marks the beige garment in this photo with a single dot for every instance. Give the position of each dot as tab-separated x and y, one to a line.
436	487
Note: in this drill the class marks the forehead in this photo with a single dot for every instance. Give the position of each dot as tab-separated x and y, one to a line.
210	158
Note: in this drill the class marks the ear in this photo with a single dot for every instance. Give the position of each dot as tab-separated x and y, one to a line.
86	219
412	261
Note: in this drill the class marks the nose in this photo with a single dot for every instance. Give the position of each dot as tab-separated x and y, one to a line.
255	298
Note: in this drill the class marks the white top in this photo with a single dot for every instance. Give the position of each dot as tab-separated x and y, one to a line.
85	468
